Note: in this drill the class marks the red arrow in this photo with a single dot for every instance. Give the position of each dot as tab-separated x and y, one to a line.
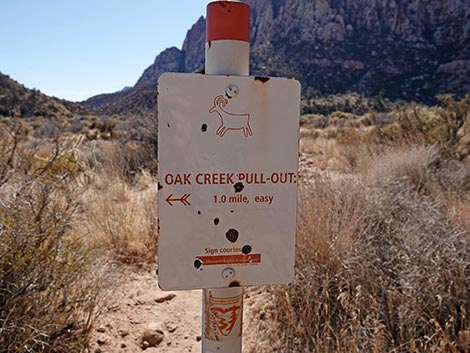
183	199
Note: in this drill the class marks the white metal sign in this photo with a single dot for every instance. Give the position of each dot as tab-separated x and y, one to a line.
228	167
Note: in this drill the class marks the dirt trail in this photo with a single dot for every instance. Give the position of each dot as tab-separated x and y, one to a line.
137	302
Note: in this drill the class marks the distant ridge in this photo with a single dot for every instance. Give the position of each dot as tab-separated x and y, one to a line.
410	50
17	100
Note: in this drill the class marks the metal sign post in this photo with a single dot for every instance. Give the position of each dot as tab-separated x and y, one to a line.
227	171
227	53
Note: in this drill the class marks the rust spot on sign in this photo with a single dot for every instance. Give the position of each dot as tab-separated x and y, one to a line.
262	79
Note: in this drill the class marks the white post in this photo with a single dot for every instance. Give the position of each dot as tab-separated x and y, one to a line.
227	53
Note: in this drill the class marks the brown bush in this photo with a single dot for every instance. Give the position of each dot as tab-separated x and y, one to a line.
380	267
423	125
414	166
47	295
122	218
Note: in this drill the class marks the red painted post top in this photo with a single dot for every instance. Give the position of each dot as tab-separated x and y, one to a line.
228	20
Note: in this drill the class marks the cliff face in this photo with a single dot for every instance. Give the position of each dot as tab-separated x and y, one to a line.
410	49
411	21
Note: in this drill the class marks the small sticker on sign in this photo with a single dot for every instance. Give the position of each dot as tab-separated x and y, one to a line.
252	259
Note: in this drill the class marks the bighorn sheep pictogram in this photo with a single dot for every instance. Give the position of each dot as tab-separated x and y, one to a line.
230	121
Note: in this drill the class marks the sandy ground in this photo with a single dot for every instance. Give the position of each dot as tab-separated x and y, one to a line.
136	302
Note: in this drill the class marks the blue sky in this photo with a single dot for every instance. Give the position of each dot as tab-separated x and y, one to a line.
74	49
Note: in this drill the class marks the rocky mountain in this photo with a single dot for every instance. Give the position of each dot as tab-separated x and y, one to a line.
408	49
17	100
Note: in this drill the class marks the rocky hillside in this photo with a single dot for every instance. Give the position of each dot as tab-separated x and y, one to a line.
410	49
17	100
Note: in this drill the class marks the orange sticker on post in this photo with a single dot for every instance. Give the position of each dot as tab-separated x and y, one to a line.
230	259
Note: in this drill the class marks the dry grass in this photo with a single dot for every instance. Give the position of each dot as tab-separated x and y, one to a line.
48	298
60	222
411	165
120	218
381	267
383	260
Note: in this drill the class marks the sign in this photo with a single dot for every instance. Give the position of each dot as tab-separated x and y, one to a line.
228	173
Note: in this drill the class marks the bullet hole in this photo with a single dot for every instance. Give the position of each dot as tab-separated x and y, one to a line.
239	187
262	79
234	284
231	211
160	186
216	221
246	249
209	43
197	264
199	213
232	235
204	127
168	124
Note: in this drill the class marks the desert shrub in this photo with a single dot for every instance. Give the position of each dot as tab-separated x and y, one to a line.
414	166
367	119
454	179
134	143
320	121
352	157
382	118
143	130
348	103
122	218
47	299
304	120
106	126
423	125
125	157
313	313
340	119
380	267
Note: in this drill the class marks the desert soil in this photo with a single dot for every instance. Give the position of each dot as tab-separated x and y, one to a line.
135	303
